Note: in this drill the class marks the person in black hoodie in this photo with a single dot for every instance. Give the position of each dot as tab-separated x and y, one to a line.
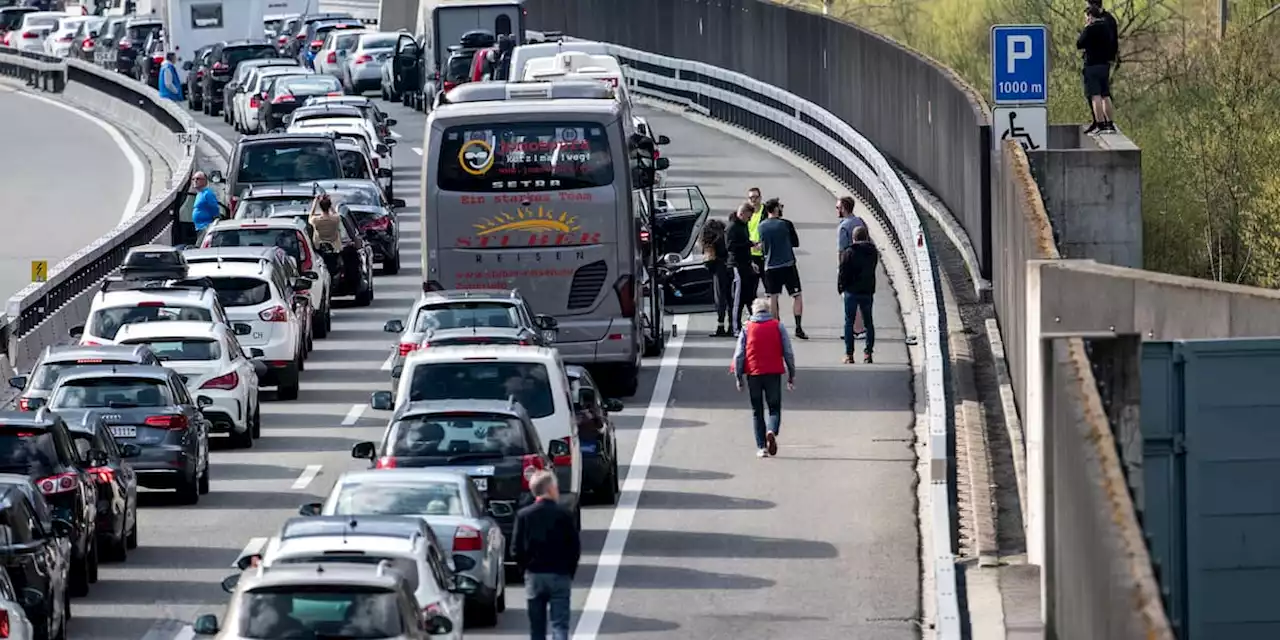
1099	41
746	278
547	544
715	257
856	283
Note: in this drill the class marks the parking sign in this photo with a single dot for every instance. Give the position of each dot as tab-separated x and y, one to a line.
1020	64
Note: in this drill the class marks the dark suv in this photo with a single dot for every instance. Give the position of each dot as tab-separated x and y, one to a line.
223	60
129	37
39	446
277	158
146	66
35	550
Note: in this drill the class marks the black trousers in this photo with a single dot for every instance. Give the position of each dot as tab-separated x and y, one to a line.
745	283
722	287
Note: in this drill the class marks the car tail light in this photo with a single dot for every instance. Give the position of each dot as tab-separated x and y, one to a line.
385	462
432	610
66	38
626	290
24	404
151	303
172	423
282	39
226	382
103	475
218	66
407	348
306	252
334	93
254	103
87	44
300	36
316	44
90	343
364	58
565	460
530	465
377	224
157	59
4	624
283	99
374	160
125	44
449	85
274	314
467	539
644	236
61	483
30	35
199	74
332	58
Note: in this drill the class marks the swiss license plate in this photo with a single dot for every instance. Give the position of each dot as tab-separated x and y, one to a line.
482	484
103	57
124	432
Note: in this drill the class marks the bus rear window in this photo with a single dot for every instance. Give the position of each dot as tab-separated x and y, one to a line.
526	156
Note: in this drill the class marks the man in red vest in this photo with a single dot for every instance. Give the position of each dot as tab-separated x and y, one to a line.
763	354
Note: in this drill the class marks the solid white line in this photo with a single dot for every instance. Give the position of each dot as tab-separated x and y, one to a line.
254	545
353	414
135	163
624	514
307	476
386	365
186	633
417	150
222	143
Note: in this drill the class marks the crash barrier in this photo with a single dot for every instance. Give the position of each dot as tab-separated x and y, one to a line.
43	313
37	70
819	136
931	126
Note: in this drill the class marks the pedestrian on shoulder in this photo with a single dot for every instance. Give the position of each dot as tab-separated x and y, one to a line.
169	83
205	211
779	240
546	544
849	221
1099	43
715	256
753	226
763	356
746	274
856	283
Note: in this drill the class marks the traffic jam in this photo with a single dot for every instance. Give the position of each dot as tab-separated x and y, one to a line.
186	343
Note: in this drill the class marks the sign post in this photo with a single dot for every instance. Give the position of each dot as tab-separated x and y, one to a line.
1020	84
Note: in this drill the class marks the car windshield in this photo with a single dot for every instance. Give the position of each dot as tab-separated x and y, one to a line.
308	86
113	392
354	165
346	41
263	208
142	32
242	292
391	498
458	433
187	349
485	380
295	161
403	566
10	20
286	239
455	315
368	194
106	323
41	21
320	611
47	373
30	452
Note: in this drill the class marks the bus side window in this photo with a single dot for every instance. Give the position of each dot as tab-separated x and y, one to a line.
502	25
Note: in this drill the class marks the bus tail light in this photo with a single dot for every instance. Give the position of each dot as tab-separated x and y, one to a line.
626	290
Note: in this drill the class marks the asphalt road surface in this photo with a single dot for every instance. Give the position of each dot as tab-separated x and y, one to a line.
61	170
818	543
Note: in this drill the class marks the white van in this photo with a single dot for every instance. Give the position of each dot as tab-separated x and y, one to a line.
190	25
534	376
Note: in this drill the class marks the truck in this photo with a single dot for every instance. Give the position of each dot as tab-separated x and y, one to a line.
192	24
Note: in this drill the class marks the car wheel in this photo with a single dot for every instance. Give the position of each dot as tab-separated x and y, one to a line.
483	614
79	578
392	266
288	391
243	440
365	298
204	108
203	483
189	490
118	549
311	339
321	323
302	359
502	598
257	420
131	540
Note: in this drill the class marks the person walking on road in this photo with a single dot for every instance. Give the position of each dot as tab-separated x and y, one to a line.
205	211
1099	42
745	273
856	283
546	544
762	356
169	84
779	240
715	256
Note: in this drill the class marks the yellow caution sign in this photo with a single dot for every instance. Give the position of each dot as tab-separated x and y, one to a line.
39	270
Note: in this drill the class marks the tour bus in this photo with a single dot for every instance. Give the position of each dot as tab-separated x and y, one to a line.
528	186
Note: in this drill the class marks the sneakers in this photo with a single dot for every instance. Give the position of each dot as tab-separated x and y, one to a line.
771	443
762	454
1093	128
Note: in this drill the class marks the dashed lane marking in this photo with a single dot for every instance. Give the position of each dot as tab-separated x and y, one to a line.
353	415
307	476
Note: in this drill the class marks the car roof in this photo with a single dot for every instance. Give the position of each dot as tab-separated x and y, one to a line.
170	329
63	353
426	474
124	297
235	44
479	332
430	407
135	21
341	184
275	70
453	295
333	110
267	138
41	419
230	270
288	190
482	352
387	526
114	371
196	256
320	573
270	223
349	543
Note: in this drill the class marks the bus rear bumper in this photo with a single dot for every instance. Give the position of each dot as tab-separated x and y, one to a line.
604	351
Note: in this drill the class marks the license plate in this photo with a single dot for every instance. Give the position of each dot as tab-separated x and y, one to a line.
104	56
482	484
124	432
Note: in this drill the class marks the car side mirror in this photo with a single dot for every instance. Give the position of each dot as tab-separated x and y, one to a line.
186	66
310	509
384	172
76	332
663	140
62	529
242	328
204	401
391	122
437	626
381	400
18	382
97	458
397	202
381	149
671	259
662	164
215	176
500	510
255	352
558	448
229	583
396	371
130	450
364	451
545	322
31	598
586	397
392	326
207	624
464	584
392	142
301	284
311	275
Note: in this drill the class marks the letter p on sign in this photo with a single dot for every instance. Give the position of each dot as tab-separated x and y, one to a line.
1018	47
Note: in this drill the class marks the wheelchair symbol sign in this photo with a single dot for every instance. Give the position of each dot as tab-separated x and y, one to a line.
1028	126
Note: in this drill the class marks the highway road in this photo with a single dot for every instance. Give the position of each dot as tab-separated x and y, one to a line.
64	170
819	543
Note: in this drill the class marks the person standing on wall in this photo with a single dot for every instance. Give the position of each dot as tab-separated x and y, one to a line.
546	543
170	84
778	239
846	208
1099	43
856	283
745	273
715	257
763	354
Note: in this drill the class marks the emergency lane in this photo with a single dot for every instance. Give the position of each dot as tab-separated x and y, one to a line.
67	181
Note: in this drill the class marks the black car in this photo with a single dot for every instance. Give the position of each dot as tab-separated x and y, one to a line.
223	60
288	93
129	37
117	484
85	40
381	230
197	68
146	66
352	268
303	28
279	158
149	407
596	436
39	446
36	556
407	75
495	435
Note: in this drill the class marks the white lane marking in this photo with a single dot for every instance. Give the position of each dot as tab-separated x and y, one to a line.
186	633
417	150
135	163
353	414
307	476
254	545
395	134
222	143
624	514
386	366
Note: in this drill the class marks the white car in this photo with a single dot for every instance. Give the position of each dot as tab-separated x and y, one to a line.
212	363
238	86
120	303
534	376
255	294
246	103
333	53
35	27
346	127
62	38
17	624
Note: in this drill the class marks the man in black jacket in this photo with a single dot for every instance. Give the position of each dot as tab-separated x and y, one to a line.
746	277
856	282
1099	41
546	544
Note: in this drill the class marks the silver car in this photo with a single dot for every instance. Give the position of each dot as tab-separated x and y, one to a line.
451	505
362	66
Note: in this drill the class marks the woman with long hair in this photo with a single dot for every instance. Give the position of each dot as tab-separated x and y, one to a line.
715	256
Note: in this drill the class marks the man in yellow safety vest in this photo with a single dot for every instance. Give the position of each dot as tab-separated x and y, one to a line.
753	227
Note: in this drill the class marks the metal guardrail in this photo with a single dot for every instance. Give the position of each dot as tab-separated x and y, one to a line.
40	314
